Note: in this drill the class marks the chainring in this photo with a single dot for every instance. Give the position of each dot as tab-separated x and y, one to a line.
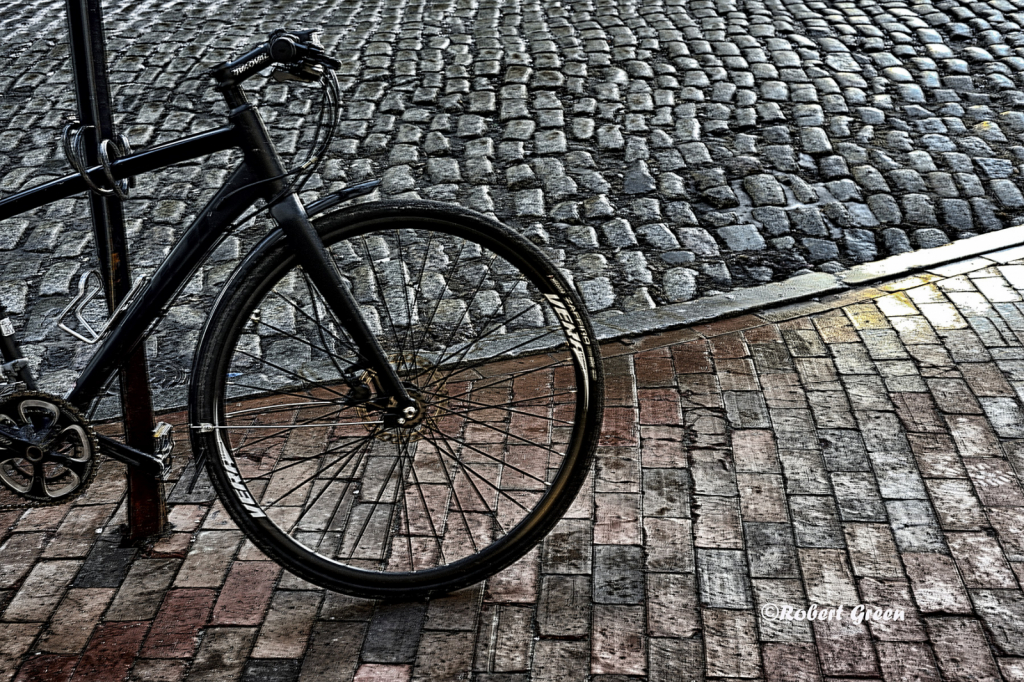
47	450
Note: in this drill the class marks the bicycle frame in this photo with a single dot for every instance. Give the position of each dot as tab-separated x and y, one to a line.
132	322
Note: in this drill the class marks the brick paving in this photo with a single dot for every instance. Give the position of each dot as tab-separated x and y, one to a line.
864	449
661	150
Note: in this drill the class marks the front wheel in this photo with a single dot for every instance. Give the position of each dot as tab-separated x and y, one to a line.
487	336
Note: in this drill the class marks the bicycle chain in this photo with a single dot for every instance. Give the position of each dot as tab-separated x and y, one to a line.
83	422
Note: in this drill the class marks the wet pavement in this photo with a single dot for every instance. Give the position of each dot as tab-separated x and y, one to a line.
856	458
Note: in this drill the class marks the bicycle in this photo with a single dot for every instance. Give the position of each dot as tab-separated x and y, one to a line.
392	399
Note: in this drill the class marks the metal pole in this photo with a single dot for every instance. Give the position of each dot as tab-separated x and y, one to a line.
147	512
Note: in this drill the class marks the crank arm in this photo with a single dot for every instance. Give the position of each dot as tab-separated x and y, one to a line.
143	461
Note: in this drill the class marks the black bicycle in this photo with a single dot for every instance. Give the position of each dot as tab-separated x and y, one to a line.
391	399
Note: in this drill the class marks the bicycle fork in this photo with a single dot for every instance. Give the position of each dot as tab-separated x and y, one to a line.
312	254
291	217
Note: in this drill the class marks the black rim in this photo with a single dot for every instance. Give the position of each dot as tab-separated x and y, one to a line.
457	488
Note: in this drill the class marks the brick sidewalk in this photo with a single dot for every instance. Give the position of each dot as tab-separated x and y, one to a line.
863	449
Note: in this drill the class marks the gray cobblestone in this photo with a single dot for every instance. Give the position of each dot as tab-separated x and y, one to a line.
768	112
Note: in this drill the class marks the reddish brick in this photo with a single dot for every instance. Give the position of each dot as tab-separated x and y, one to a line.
730	640
845	648
736	374
783	390
981	560
185	518
659	406
699	390
973	436
654	368
872	550
662	454
754	451
728	346
177	624
693	357
995	481
669	544
73	622
516	584
953	396
42	590
985	379
828	578
817	374
956	504
961	650
246	593
790	663
617	645
15	639
1009	525
111	652
936	456
41	518
564	606
620	426
173	546
762	497
766	333
617	519
1012	669
918	413
20	552
936	584
380	672
159	670
672	605
717	524
47	669
76	535
907	661
882	595
728	325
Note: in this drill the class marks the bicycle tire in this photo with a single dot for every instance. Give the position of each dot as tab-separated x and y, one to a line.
492	340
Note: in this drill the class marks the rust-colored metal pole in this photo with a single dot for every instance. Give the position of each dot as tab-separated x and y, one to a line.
147	513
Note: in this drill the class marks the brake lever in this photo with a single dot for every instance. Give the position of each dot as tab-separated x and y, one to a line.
304	72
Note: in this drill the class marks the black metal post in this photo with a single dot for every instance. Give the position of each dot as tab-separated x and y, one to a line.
147	511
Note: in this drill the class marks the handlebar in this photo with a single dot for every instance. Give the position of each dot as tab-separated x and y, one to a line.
299	51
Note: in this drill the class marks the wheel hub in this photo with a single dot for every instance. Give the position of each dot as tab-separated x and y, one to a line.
413	422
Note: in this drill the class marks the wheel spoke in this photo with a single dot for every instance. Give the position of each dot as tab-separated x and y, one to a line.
462	321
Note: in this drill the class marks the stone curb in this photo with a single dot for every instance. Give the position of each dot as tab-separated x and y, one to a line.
1000	247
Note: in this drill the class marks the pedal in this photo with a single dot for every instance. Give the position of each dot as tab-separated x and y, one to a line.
163	444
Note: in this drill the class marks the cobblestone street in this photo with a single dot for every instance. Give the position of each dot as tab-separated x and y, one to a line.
863	449
661	150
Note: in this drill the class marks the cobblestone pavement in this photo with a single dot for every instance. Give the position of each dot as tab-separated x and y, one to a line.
864	449
661	149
